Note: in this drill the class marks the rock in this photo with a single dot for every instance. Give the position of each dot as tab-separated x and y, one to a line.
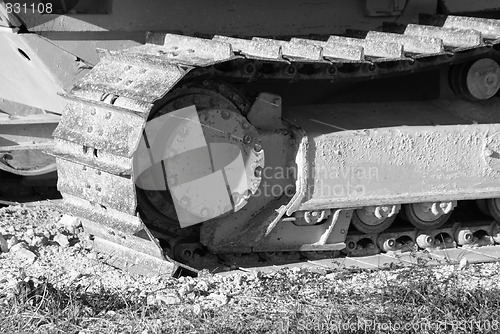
197	309
185	289
21	251
12	242
62	240
39	241
219	299
151	300
4	247
70	223
73	275
154	279
92	256
331	276
202	286
463	263
30	232
168	299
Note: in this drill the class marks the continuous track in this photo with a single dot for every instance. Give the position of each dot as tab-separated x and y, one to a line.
108	109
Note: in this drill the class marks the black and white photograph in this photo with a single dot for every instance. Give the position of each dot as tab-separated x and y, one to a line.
249	166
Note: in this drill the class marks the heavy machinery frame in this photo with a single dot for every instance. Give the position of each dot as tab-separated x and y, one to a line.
361	143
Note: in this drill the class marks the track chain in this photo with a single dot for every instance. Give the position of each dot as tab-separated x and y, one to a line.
107	111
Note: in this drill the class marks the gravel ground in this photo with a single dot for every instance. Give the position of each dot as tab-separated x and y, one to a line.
42	249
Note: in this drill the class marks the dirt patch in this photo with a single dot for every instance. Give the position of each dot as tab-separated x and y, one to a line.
52	281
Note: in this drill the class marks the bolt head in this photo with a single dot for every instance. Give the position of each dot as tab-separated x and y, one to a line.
258	172
225	114
488	152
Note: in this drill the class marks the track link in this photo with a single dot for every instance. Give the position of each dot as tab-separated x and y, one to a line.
107	111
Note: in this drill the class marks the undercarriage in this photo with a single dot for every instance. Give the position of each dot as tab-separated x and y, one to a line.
188	153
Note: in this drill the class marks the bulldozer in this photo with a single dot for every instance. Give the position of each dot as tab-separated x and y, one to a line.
241	135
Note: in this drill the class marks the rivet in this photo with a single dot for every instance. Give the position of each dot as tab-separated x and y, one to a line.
205	212
258	171
225	114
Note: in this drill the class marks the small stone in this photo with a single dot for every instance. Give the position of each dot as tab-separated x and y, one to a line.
185	289
168	299
202	286
12	242
18	246
73	275
4	247
39	241
197	309
154	279
70	223
92	256
62	240
151	300
331	276
463	263
220	299
21	251
30	232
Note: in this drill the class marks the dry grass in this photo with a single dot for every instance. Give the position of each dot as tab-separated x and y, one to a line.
409	300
